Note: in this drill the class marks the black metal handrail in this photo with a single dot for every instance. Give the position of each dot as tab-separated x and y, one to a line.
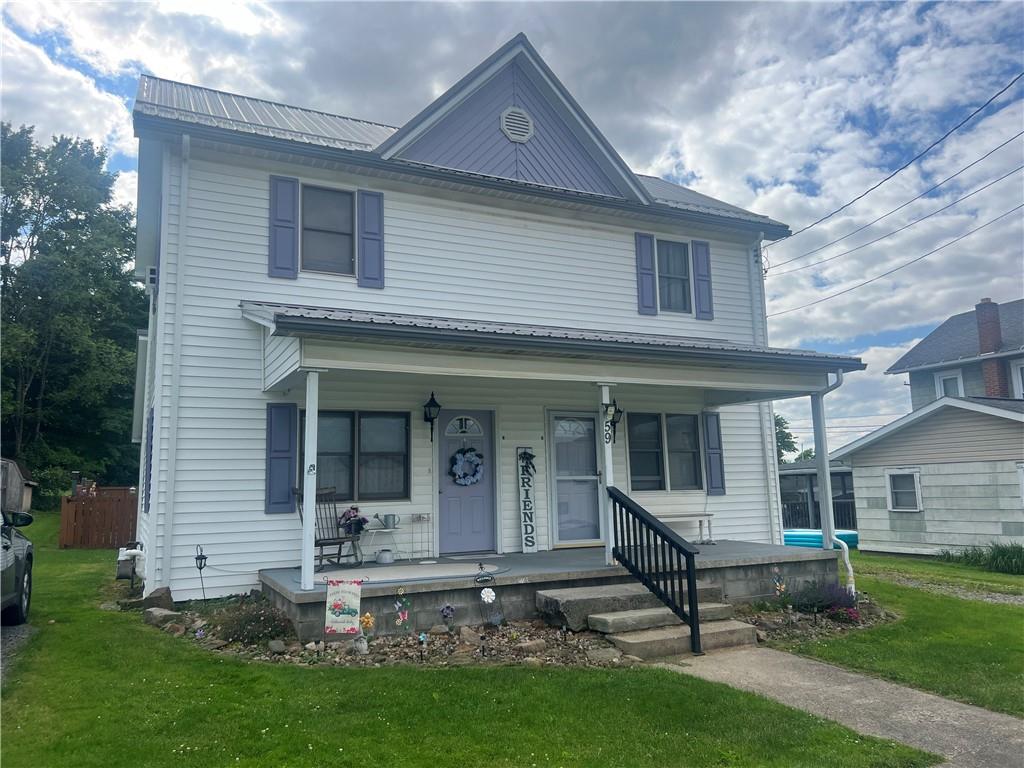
661	559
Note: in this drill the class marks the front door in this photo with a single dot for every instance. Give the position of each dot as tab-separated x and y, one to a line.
577	479
466	482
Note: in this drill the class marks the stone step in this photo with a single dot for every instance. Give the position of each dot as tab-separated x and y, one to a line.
647	618
672	641
570	607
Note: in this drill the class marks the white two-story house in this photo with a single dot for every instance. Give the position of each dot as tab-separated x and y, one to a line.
495	256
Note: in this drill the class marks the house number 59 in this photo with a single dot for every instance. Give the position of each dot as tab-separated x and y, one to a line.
608	430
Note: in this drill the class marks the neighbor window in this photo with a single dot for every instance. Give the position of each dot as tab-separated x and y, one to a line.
363	456
949	384
664	446
327	241
904	491
673	276
1017	376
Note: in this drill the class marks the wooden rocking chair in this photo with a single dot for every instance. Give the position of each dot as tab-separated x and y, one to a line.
329	533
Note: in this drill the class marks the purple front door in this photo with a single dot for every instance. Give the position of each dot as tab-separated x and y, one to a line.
466	482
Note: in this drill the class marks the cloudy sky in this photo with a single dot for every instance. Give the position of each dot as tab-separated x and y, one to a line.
787	109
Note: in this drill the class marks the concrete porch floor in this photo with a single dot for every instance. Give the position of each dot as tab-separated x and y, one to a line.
744	571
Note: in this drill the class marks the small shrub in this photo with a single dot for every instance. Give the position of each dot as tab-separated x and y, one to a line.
844	615
252	621
997	557
817	596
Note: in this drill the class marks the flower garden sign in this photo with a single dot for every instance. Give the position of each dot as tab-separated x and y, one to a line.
342	615
526	470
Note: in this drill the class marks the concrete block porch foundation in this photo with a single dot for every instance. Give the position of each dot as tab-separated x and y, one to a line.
744	571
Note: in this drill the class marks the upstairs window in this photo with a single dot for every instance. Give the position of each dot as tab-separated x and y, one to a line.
674	277
664	447
328	244
949	384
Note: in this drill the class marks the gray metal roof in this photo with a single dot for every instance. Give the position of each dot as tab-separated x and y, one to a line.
194	104
1005	403
490	332
957	339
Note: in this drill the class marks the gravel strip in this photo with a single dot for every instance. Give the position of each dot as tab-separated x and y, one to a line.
954	591
12	640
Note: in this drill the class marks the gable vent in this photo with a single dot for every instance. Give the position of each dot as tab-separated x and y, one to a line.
517	125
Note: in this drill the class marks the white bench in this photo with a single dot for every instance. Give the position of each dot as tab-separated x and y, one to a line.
685	517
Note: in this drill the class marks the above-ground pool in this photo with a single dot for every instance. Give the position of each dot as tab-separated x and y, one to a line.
811	537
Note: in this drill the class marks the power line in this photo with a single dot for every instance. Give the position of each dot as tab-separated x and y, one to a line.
906	165
897	231
896	269
900	208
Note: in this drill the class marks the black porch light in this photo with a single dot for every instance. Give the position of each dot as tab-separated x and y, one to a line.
431	409
613	414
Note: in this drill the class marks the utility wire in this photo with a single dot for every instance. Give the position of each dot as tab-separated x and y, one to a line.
906	165
896	269
900	208
897	231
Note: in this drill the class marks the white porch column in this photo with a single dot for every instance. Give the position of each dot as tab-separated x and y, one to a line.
828	525
309	477
607	434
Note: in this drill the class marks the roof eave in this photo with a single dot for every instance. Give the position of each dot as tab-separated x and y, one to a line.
161	127
957	361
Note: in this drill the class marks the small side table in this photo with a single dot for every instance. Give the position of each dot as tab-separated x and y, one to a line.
370	537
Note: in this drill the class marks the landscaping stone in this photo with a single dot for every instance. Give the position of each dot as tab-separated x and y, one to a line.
159	598
174	629
531	646
159	616
131	604
276	646
438	630
470	636
604	654
110	607
533	662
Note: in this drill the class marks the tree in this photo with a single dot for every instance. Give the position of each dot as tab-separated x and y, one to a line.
807	454
784	440
70	310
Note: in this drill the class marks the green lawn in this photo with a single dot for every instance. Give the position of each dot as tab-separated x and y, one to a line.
962	649
101	689
937	572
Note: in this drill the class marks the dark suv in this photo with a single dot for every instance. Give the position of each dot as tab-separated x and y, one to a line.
16	557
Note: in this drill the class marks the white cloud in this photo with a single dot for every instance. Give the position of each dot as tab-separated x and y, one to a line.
58	99
126	188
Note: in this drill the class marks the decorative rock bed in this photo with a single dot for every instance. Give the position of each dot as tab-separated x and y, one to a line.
788	625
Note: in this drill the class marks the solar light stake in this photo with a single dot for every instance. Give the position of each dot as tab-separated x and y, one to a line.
200	564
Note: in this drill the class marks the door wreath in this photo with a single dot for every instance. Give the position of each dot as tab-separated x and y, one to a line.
467	466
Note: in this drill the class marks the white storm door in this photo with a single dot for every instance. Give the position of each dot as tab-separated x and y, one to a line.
577	486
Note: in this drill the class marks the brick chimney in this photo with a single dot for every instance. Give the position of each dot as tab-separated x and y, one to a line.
990	339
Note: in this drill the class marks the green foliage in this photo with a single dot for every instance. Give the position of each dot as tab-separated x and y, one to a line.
819	596
997	557
70	311
252	621
68	693
784	440
807	454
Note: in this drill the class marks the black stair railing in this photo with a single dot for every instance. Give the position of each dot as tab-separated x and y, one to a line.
661	559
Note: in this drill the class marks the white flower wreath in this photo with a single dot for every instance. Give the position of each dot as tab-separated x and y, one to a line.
467	466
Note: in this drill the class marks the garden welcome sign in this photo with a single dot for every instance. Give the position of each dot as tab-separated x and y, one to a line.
342	616
527	509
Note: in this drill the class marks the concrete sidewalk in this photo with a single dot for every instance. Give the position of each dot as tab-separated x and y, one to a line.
967	736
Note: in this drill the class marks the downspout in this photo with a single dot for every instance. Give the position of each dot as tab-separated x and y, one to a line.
179	309
828	525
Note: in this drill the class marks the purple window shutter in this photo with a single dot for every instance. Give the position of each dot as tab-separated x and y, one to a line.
149	462
370	206
284	228
703	302
282	455
646	280
714	457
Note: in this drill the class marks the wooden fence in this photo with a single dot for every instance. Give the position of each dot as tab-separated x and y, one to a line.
103	521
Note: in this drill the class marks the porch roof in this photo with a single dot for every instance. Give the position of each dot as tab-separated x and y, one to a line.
353	325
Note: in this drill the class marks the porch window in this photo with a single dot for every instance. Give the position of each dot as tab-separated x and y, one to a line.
904	490
363	455
650	465
674	276
328	244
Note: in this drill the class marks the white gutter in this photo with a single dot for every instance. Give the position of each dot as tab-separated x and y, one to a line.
828	524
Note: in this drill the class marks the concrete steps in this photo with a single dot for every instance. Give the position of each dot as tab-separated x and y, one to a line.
573	606
638	623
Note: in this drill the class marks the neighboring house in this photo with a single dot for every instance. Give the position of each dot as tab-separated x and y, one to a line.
494	255
798	483
946	476
974	354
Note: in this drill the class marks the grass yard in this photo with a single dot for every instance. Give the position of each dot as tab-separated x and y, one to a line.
101	689
966	650
935	571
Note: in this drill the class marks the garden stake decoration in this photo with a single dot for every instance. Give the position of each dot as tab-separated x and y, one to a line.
448	616
423	645
780	584
402	605
200	564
